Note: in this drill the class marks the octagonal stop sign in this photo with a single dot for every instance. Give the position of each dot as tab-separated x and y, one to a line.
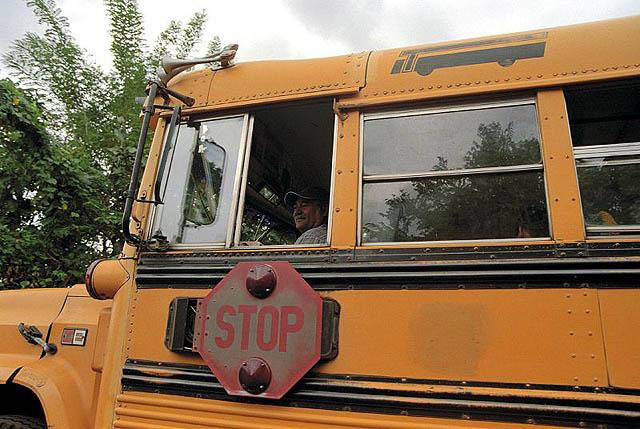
260	329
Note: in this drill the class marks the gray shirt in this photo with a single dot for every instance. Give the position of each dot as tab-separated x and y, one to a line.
317	235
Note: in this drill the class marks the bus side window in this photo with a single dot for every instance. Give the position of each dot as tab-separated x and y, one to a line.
197	190
291	149
605	131
465	173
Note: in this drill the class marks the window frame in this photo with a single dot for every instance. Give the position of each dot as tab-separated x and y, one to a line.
235	240
238	170
457	107
582	156
234	223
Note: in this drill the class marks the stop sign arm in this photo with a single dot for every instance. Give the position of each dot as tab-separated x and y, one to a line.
179	330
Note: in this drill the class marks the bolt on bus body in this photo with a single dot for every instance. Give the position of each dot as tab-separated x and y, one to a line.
479	269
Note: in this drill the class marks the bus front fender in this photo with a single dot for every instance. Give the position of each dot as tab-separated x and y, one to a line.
57	385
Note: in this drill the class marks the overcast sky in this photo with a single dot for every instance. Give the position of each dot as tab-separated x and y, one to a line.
314	28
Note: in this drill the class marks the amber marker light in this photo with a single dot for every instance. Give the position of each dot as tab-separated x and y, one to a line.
104	277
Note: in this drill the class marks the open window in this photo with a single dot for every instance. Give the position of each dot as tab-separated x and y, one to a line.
605	131
223	181
290	150
462	173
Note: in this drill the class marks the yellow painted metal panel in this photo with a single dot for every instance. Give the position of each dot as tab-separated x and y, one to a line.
38	307
117	343
561	178
140	410
621	324
345	215
146	334
140	211
528	336
72	364
195	84
543	336
60	391
262	82
273	81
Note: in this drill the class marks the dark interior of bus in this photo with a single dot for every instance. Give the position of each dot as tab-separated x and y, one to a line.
605	131
607	113
291	149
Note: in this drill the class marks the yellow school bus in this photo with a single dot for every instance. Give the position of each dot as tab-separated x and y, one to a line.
475	258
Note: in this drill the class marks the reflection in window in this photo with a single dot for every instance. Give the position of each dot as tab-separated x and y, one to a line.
198	183
456	208
467	180
203	191
605	130
452	140
610	195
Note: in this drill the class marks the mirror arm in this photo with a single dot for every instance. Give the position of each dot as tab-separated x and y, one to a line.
148	111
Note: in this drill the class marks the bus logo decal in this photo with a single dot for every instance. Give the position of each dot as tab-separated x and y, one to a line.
423	62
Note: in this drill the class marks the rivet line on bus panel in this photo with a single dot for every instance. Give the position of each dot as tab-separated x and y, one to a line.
275	93
539	76
132	311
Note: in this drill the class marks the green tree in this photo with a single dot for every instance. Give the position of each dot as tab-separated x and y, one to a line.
90	114
52	199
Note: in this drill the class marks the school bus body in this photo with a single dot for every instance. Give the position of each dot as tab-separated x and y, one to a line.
439	334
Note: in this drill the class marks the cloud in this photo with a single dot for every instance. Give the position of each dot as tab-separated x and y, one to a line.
364	25
269	46
17	19
351	22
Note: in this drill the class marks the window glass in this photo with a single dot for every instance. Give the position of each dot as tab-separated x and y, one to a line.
469	207
461	175
610	194
604	114
205	179
605	131
452	140
168	221
198	188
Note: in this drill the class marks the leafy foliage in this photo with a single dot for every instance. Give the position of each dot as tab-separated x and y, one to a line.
53	200
66	161
178	42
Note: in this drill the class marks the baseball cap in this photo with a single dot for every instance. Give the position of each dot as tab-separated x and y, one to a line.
312	193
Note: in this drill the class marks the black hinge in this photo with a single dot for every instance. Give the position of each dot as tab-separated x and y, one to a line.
179	334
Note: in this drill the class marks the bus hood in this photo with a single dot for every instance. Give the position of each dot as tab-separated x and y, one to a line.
36	307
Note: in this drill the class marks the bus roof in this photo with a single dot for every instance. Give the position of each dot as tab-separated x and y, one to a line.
558	56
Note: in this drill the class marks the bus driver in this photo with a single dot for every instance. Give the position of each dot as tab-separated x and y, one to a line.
310	210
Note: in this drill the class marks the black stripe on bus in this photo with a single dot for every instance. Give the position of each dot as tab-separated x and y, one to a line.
206	271
339	392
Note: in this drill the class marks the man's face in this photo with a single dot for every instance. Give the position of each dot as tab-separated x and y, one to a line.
308	214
